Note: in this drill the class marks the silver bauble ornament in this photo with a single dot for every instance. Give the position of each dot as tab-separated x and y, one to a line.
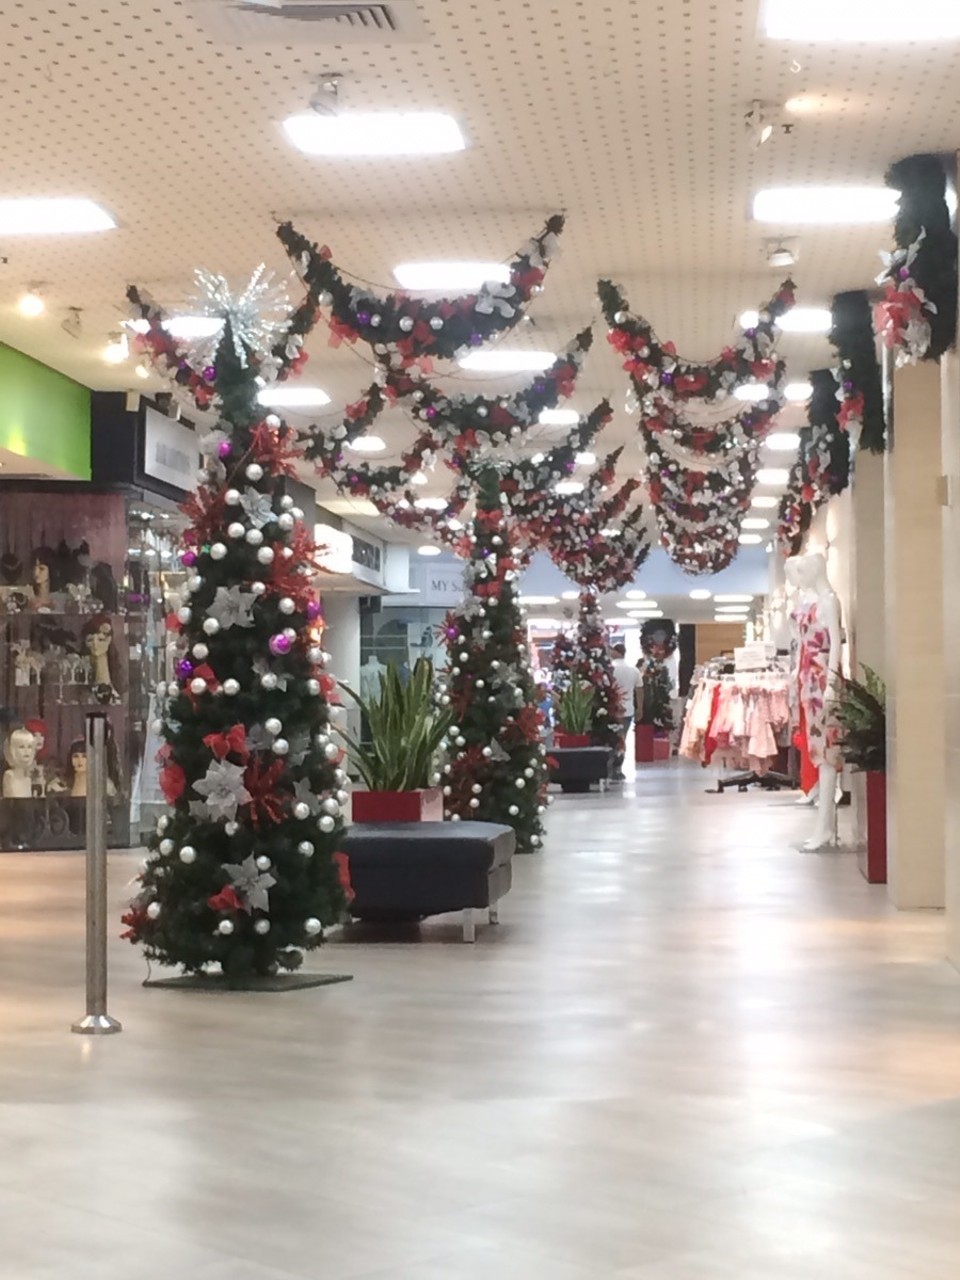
188	854
211	626
305	849
327	824
312	926
231	687
280	746
255	472
225	927
286	605
273	726
153	910
199	685
301	811
265	555
236	530
261	927
263	862
218	551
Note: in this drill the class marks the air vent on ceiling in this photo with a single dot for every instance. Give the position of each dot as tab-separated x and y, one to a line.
316	22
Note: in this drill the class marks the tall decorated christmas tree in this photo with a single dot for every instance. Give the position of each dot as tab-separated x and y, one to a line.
242	874
497	768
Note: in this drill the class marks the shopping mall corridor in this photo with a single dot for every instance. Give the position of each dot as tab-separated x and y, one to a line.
688	1052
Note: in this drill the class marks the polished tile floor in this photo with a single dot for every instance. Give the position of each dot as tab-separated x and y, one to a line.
689	1052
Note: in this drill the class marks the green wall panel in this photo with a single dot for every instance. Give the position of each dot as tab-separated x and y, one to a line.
43	414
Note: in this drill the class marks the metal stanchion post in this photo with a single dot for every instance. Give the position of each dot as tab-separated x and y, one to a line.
96	1022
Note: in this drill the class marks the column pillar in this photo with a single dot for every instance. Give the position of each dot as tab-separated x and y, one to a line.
866	624
950	371
914	657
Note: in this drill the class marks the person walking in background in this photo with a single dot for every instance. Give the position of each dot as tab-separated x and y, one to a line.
629	682
545	707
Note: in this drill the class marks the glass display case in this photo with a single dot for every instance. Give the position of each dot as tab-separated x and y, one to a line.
86	580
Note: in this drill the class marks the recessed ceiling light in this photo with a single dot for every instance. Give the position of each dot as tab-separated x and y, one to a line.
827	205
876	21
374	133
734	599
457	277
507	360
796	320
636	604
753	392
367	444
38	216
764	500
539	600
636	594
430	504
797	392
654	613
31	303
292	397
559	418
700	593
755	522
586	459
783	442
186	327
773	476
642	613
117	349
418	478
621	624
749	539
428	550
564	487
570	595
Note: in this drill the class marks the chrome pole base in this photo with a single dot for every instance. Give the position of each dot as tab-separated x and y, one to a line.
97	1024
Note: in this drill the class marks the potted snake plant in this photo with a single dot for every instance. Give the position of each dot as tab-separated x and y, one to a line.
398	765
574	714
861	713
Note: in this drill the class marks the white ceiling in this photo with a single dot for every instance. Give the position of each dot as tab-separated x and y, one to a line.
628	114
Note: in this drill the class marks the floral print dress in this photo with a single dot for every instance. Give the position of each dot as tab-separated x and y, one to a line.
823	732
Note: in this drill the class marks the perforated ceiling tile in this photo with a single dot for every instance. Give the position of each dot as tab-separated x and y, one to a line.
628	114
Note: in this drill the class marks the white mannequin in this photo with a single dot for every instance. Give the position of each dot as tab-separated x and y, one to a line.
21	756
371	678
809	574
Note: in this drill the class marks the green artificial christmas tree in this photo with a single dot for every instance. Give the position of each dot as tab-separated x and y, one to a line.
657	697
242	874
497	768
595	668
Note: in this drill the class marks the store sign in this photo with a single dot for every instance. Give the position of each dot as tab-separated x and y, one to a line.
170	450
335	549
438	585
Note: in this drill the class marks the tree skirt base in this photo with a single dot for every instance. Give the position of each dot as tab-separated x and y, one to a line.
217	983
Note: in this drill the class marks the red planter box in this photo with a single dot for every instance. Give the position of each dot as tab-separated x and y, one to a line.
398	806
873	859
561	739
661	746
643	744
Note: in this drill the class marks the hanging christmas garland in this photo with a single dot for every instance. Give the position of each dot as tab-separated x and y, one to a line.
822	468
917	317
659	639
402	329
859	387
707	551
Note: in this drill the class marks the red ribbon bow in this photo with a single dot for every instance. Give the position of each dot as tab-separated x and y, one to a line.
234	740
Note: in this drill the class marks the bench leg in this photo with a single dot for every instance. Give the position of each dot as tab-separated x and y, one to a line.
495	913
469	926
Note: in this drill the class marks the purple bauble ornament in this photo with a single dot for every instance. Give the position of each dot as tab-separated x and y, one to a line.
184	668
363	317
188	558
314	610
224	448
209	375
280	644
904	273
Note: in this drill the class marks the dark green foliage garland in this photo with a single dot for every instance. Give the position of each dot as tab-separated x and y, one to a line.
860	390
822	468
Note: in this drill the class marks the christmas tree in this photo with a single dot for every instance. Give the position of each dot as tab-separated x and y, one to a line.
595	667
496	771
242	872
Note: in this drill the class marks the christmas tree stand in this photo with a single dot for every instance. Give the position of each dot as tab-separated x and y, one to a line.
218	983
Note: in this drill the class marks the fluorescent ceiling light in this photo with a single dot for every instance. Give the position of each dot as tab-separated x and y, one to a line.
564	487
544	622
374	133
428	550
586	459
634	604
728	599
766	501
754	522
644	613
732	608
797	392
570	595
773	476
431	504
826	205
783	442
367	444
507	360
654	613
753	392
876	21
186	327
38	216
31	304
621	624
454	524
729	617
796	320
559	418
292	397
749	539
459	277
636	594
701	593
541	600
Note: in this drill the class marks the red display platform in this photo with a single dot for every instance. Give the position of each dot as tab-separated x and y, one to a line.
873	859
398	806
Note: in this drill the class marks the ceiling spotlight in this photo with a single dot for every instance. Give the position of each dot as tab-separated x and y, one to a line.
367	444
781	253
758	124
72	325
418	478
31	303
117	348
